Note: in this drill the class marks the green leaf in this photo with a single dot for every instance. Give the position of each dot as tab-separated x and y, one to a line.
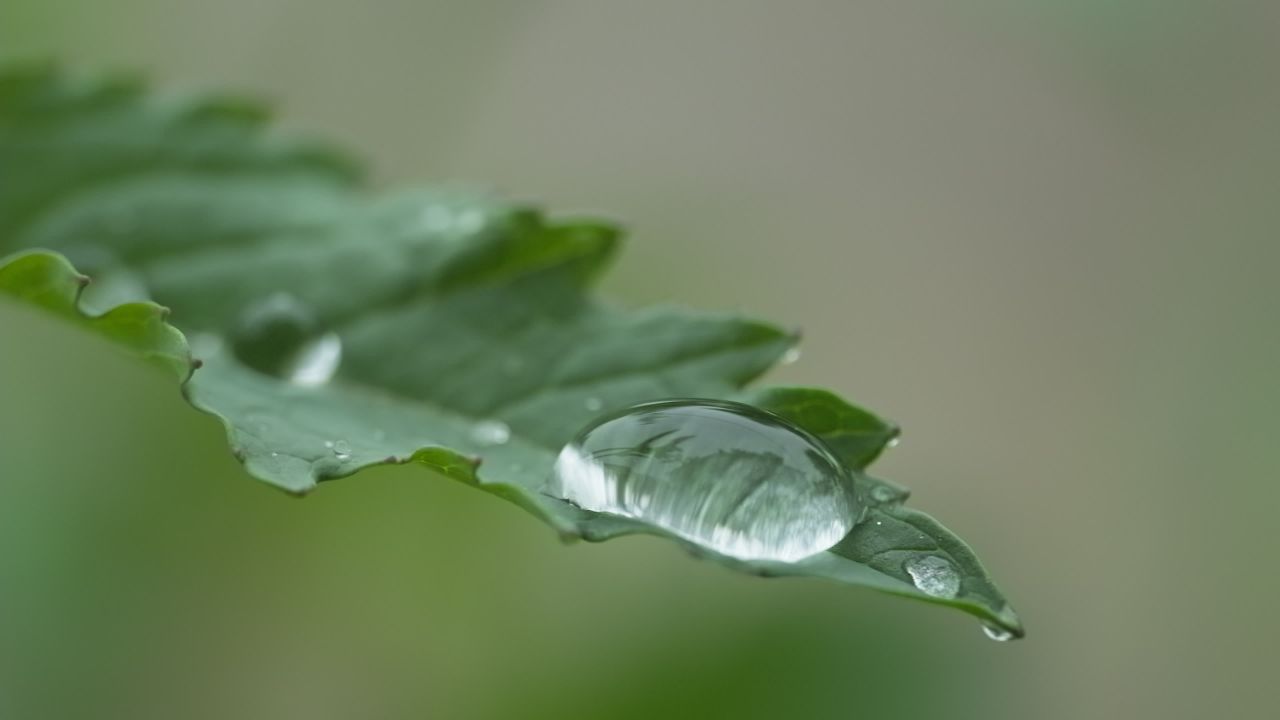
338	331
48	281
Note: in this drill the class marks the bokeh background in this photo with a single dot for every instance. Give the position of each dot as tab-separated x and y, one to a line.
1042	235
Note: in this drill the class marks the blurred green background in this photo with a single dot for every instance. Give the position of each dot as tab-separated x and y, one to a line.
1041	235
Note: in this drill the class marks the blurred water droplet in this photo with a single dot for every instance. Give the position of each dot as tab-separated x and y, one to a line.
790	356
726	476
490	432
316	361
205	345
593	404
282	336
893	442
469	221
934	575
998	634
436	218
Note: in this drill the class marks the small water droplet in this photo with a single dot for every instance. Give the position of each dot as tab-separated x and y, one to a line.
316	361
883	494
894	441
490	432
998	634
593	404
726	476
790	356
341	449
934	575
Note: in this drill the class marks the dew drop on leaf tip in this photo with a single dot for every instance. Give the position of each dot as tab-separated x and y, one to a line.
723	475
998	634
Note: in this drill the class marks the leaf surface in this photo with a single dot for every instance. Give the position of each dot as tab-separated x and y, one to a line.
340	330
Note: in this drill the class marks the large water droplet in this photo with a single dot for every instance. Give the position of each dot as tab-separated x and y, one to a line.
934	575
724	475
998	634
490	432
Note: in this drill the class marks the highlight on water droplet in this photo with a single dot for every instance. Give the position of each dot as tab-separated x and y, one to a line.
726	476
933	575
996	633
490	432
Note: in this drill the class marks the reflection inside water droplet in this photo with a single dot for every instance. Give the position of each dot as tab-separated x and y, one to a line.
727	476
934	575
490	432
